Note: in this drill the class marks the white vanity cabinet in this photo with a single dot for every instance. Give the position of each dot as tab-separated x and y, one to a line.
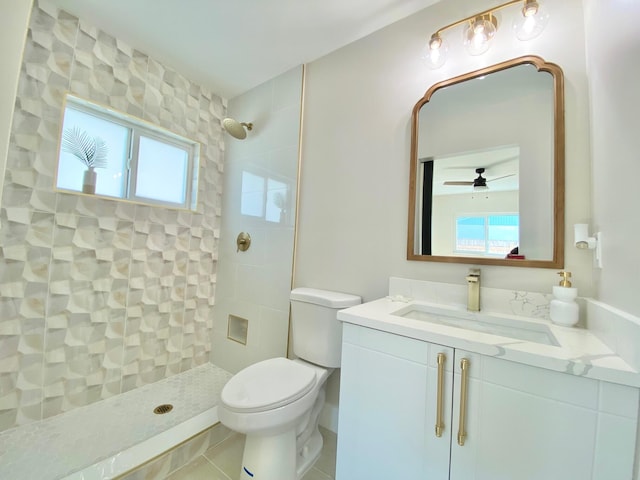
522	422
387	408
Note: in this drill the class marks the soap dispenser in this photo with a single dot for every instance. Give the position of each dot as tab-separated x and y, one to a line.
563	309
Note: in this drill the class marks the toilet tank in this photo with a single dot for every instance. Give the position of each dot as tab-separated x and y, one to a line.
317	332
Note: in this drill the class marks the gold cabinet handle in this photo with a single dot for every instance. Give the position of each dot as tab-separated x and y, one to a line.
462	434
440	400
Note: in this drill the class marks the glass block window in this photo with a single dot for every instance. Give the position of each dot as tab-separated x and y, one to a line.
133	159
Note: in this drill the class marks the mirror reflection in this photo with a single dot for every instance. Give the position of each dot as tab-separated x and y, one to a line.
487	176
477	193
266	196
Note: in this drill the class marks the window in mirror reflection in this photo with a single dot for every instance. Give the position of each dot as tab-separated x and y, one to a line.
276	199
487	235
265	197
475	185
252	196
111	154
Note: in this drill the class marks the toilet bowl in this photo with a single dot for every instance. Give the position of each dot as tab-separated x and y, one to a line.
276	403
270	396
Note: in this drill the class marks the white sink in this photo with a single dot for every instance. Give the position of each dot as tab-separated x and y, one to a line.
480	322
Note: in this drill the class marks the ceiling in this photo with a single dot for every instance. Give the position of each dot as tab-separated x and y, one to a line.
501	166
231	46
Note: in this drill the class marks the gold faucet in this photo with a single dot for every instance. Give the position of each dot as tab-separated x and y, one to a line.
473	294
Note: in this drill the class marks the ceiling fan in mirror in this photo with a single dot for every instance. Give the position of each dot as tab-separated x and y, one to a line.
478	183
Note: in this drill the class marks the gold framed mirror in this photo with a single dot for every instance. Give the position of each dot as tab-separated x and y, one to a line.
486	181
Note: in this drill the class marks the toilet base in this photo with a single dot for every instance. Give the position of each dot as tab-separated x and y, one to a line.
308	455
270	457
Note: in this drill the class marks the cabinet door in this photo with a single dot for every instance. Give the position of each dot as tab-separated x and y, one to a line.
528	423
384	430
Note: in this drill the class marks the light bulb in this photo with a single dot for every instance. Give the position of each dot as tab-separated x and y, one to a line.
478	34
435	52
532	21
435	42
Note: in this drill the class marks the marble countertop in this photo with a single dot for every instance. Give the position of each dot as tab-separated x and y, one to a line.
579	351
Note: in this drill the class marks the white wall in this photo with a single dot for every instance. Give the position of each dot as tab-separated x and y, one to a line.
14	19
355	151
352	230
255	284
613	49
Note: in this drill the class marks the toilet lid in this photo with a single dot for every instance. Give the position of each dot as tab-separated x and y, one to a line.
267	385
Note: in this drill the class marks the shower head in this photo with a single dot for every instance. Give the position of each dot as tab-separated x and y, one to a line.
235	128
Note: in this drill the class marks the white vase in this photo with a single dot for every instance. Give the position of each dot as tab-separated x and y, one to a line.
89	181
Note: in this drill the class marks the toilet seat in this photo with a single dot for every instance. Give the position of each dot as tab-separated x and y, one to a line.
267	385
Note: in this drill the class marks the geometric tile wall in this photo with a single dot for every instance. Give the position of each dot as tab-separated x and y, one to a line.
98	297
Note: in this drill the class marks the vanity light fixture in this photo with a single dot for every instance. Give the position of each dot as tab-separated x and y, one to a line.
480	29
532	22
479	32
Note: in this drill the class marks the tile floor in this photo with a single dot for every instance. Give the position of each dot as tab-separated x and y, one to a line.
223	461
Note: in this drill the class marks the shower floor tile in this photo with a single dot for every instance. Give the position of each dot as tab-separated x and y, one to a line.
85	436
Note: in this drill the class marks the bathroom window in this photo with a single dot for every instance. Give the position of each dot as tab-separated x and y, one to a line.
487	234
111	154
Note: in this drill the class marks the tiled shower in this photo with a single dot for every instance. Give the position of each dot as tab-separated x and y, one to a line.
98	297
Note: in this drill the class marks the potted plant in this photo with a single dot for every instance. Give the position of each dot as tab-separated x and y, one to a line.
91	151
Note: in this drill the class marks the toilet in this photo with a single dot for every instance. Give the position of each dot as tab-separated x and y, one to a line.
276	403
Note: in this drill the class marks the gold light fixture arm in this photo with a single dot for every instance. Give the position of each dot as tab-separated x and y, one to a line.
481	27
480	14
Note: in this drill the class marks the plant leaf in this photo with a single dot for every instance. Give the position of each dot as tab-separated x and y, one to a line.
89	150
100	157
